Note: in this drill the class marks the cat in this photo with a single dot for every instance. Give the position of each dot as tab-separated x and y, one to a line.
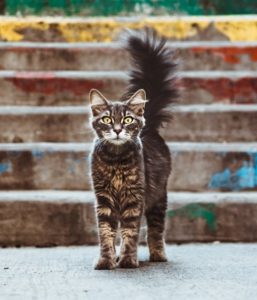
130	162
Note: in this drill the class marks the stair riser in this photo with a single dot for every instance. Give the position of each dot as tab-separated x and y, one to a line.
202	28
62	224
47	224
100	58
50	89
216	126
69	170
196	126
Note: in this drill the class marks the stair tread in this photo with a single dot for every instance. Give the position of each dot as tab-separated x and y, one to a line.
81	109
88	196
174	146
117	45
74	74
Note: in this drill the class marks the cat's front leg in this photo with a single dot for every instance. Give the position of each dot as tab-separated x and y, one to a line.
107	228
130	225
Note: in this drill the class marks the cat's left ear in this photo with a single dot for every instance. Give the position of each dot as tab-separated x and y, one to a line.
98	102
137	102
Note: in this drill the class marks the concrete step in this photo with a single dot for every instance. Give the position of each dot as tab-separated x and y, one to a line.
47	218
199	55
206	123
196	166
61	29
72	87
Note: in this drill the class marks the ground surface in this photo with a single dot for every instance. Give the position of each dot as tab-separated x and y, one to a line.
197	271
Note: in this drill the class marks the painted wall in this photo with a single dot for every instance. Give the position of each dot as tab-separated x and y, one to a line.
119	7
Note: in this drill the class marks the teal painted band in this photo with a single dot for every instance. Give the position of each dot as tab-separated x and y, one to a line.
205	211
108	7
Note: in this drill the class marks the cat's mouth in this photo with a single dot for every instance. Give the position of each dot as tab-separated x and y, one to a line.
118	140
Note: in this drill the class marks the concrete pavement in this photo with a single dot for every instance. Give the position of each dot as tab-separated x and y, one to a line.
195	271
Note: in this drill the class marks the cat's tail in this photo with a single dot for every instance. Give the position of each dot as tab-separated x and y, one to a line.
153	69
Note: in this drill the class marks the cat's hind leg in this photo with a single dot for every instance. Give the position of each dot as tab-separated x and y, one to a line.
155	217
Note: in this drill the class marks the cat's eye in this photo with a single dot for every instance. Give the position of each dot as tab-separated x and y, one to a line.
106	120
127	120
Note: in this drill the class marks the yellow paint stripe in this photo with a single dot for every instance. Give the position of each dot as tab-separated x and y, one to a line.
107	29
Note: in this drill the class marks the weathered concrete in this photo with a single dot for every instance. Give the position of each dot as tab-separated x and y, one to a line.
46	223
208	123
208	271
196	166
213	123
59	29
72	87
217	55
44	126
199	55
47	218
226	87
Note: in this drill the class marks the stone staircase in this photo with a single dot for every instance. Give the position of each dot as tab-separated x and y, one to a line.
45	196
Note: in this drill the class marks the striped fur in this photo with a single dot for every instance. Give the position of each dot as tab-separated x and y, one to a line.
130	160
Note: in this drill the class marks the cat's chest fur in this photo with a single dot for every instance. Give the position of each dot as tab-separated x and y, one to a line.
117	176
117	179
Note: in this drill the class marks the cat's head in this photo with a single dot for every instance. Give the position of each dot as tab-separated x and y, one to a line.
117	122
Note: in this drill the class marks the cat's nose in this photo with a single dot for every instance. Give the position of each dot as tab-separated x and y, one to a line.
117	130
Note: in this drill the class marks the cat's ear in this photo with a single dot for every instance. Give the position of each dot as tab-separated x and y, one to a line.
137	102
98	102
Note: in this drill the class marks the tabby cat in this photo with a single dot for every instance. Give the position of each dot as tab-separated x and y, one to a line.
130	162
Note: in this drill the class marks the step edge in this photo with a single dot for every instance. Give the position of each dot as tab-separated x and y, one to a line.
88	197
29	75
117	45
174	147
84	109
125	19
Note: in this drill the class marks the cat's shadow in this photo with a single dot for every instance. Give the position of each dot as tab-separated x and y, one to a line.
148	265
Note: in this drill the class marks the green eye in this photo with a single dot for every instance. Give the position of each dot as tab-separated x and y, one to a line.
127	120
106	120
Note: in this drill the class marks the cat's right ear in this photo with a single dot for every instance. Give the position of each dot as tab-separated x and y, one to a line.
98	102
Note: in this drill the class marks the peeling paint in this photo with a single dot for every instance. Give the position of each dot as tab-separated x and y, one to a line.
107	29
74	164
5	167
197	210
238	90
222	88
244	177
232	55
38	154
50	85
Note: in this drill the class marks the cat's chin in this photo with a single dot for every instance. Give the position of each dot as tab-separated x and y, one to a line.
117	142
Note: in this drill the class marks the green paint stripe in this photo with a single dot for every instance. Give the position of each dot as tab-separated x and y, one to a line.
197	210
108	7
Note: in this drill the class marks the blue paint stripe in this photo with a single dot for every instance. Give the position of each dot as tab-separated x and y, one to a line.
5	167
245	177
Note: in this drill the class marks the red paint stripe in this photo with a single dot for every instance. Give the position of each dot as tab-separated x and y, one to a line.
49	85
230	54
243	90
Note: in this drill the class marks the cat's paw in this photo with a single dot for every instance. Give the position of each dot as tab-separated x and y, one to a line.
128	262
105	264
158	257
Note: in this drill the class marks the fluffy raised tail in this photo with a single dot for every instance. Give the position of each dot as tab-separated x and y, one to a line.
153	69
